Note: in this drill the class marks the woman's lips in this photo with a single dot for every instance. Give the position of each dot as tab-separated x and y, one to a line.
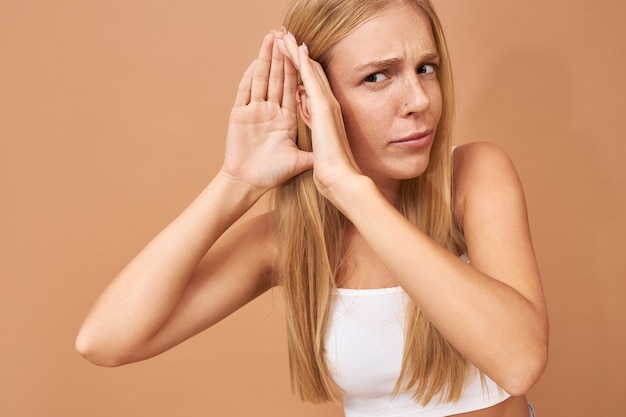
415	140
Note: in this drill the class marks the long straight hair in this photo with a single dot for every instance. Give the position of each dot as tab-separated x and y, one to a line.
311	230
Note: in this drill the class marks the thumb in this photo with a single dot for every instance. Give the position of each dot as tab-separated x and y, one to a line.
304	162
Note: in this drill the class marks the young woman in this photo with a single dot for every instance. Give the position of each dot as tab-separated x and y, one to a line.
408	269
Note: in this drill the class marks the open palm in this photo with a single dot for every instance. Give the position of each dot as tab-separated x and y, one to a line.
260	147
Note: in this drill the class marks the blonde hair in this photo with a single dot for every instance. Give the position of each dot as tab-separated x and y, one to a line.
310	229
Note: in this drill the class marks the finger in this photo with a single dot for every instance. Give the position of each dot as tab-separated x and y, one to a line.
277	76
261	73
304	162
290	86
313	76
243	91
289	48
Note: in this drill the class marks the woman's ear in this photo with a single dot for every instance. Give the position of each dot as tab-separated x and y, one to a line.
302	100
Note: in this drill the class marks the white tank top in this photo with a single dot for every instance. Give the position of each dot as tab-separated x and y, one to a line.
364	347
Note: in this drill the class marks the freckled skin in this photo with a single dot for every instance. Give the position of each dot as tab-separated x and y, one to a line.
387	91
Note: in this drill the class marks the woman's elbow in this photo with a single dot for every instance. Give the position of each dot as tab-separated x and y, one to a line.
99	352
525	373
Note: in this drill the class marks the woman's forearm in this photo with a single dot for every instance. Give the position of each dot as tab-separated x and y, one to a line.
496	327
145	293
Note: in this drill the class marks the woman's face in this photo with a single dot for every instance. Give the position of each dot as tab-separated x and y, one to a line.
384	75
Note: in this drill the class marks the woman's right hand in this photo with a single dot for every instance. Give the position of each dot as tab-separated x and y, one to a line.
261	150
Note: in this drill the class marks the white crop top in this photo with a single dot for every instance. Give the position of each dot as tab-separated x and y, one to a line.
364	346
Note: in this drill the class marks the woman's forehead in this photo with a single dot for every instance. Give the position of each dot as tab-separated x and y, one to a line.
401	31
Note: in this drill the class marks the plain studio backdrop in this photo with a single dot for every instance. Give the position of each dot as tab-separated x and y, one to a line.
113	117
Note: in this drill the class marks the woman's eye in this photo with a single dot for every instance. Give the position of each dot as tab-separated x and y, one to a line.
427	69
375	78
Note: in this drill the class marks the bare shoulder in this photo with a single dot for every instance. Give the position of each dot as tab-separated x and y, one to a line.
480	161
259	227
254	238
490	208
484	172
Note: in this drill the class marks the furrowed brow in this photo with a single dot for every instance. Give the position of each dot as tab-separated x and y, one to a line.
388	62
432	56
377	64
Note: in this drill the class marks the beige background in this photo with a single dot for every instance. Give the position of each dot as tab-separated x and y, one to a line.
112	118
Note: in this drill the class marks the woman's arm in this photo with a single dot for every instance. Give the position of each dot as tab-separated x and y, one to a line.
492	310
186	279
165	294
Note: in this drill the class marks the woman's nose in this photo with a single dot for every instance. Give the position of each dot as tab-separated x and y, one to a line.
416	99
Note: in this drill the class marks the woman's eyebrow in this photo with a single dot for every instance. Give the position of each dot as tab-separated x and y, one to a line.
378	63
388	62
431	56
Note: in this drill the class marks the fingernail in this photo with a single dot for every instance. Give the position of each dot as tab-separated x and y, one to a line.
293	38
282	29
306	48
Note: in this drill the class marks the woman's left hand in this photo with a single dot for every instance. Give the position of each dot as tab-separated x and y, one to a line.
334	166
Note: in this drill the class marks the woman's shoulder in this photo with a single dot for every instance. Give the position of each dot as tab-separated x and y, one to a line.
478	152
255	236
260	229
480	161
482	170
